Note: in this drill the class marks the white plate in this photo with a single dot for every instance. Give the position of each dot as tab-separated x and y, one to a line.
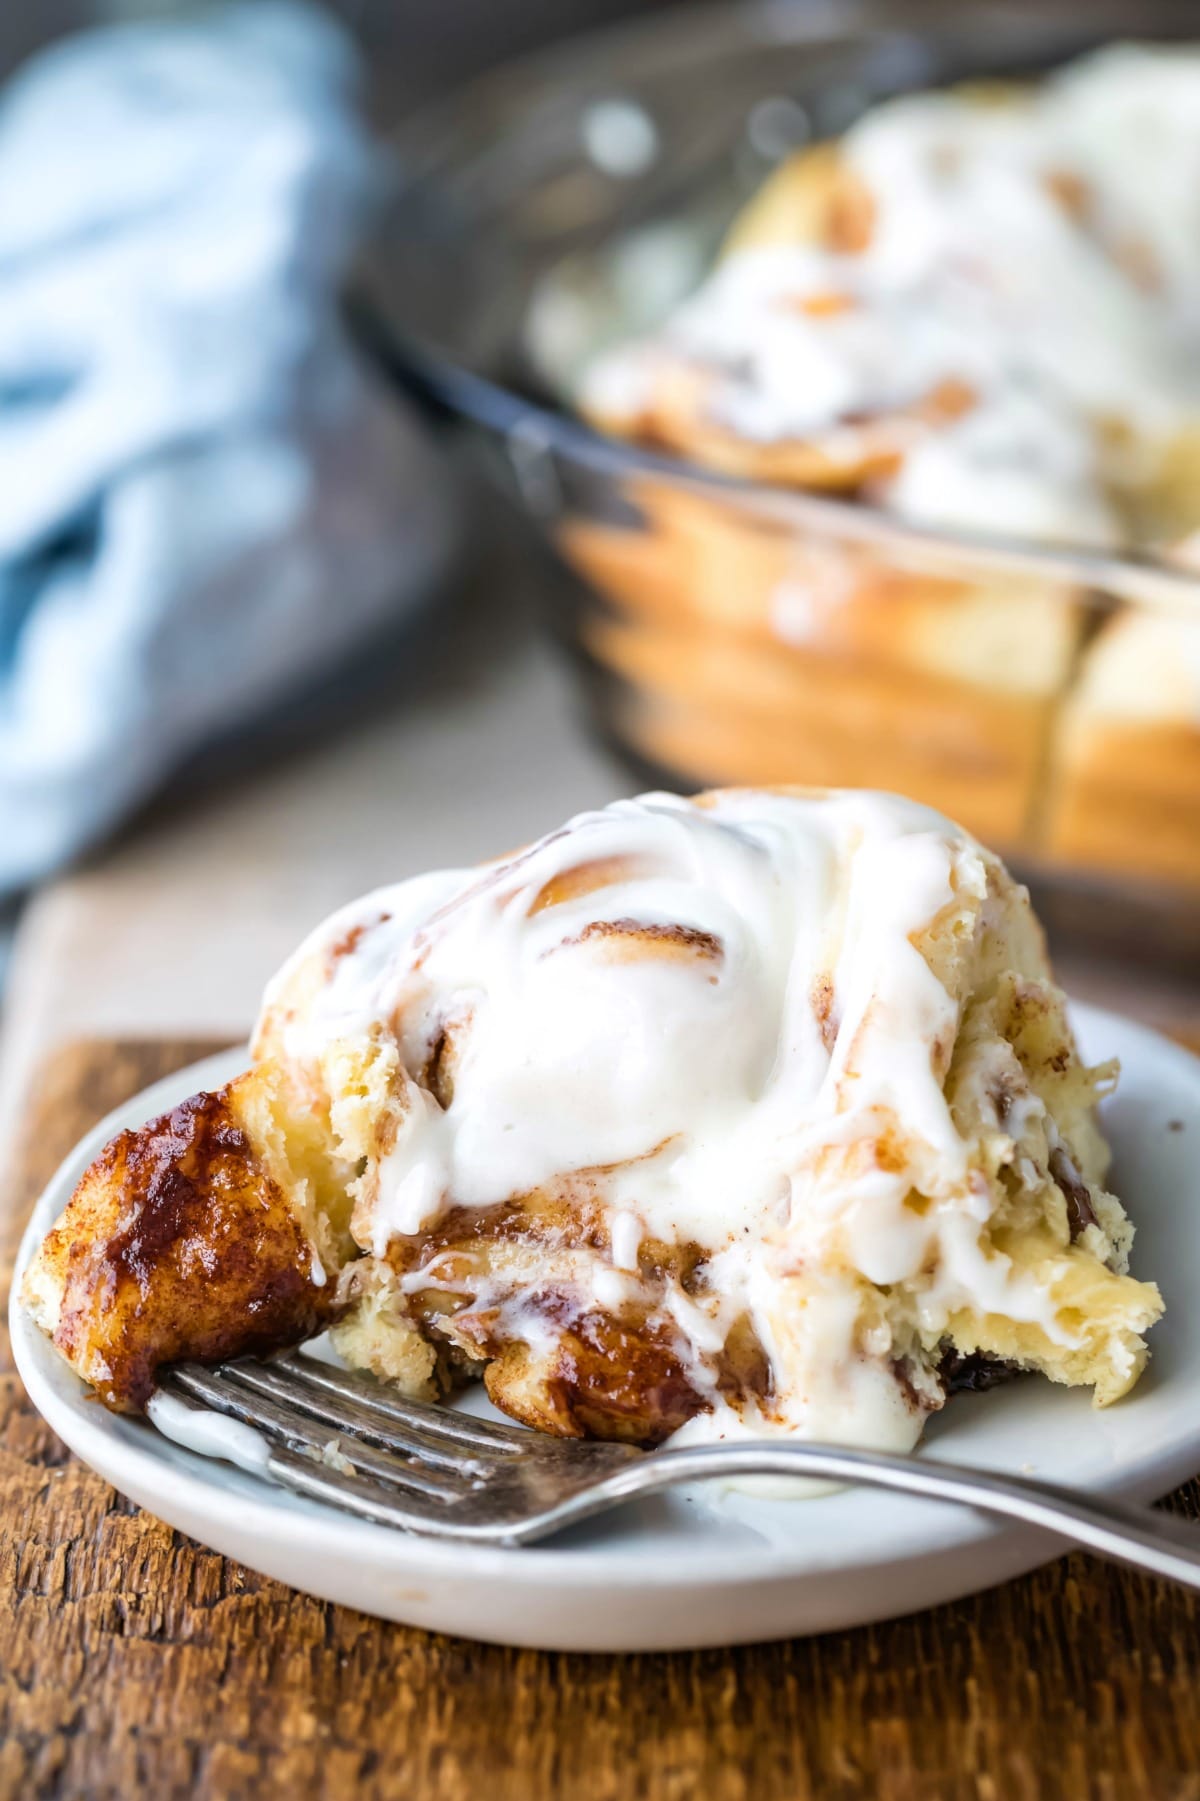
697	1568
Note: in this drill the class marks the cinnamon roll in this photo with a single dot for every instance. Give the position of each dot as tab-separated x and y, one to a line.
758	1113
976	308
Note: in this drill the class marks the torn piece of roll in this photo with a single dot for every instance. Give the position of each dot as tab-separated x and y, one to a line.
753	1114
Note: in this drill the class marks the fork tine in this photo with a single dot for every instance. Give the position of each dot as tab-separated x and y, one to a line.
389	1405
374	1501
347	1411
224	1392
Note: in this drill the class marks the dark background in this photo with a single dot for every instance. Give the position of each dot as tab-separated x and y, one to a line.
415	48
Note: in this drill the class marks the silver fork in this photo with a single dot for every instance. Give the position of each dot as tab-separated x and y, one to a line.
432	1470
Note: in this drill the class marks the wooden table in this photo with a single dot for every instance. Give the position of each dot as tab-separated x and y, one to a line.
135	1663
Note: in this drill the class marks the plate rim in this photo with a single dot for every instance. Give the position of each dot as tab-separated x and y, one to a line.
185	1477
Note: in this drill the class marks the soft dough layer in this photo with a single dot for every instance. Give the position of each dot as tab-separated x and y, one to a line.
758	1113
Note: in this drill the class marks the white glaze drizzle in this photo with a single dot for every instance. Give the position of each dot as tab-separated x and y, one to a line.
208	1433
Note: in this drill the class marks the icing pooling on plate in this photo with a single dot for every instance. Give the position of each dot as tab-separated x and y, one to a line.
1041	254
708	1015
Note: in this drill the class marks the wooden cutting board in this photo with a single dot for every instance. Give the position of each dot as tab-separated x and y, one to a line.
135	1663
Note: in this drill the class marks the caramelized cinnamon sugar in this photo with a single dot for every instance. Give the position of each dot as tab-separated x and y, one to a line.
621	1376
1080	1212
659	1261
348	943
670	940
601	1376
206	1258
438	1074
973	1372
622	1379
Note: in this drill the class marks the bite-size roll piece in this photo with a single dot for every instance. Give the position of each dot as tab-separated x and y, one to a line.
758	1113
199	1235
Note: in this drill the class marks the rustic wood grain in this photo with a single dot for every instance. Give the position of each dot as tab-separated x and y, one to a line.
135	1663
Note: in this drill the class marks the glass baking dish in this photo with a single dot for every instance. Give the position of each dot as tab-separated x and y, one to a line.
734	632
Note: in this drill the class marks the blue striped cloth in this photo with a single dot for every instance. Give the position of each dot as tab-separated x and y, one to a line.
204	499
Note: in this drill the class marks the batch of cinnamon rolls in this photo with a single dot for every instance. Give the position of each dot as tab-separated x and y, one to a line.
979	313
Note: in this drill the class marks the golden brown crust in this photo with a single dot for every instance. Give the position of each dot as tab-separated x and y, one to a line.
177	1243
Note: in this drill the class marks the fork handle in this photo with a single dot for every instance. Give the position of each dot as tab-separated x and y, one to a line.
1140	1536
